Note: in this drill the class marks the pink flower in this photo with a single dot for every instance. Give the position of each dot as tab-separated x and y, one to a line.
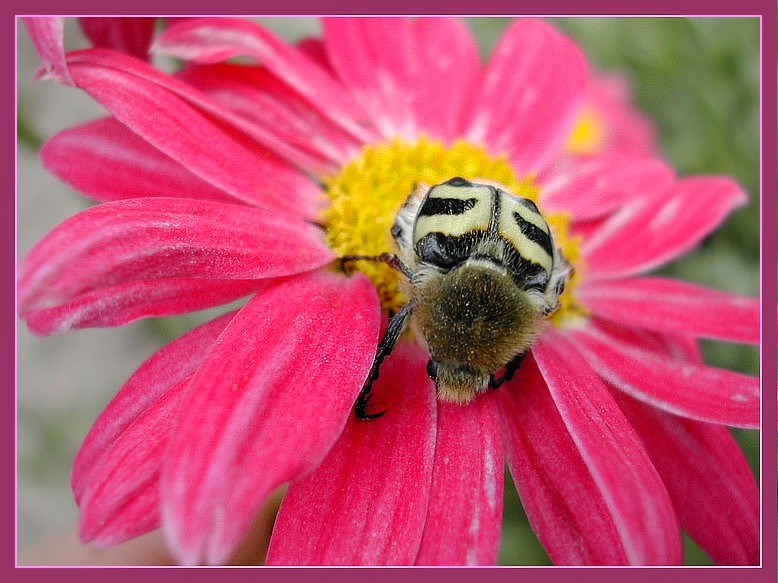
609	123
231	180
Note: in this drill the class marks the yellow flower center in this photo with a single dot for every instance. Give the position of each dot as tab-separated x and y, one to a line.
369	190
588	135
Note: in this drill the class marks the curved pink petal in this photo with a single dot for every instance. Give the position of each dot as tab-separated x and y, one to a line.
593	187
631	488
213	40
125	303
652	231
168	367
159	238
107	161
563	503
131	35
665	305
264	121
276	152
367	501
193	130
121	500
266	406
687	389
279	117
709	481
47	35
412	76
115	475
464	517
529	96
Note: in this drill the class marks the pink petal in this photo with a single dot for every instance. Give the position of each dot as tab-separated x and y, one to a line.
412	76
158	238
529	96
47	36
563	503
594	187
683	347
662	345
674	306
464	517
691	390
278	117
314	49
169	366
631	488
107	161
585	229
366	503
674	346
178	121
115	475
121	500
628	129
266	406
212	40
652	231
125	303
709	481
128	35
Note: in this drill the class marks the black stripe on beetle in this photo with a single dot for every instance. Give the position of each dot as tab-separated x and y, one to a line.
535	234
446	206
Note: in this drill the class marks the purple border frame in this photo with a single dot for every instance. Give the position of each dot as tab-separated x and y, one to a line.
766	9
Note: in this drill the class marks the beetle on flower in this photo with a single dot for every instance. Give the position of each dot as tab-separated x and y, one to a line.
233	179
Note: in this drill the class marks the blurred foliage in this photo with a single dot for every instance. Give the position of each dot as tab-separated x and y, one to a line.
26	136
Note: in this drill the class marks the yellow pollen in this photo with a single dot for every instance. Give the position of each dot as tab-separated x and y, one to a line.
367	193
588	135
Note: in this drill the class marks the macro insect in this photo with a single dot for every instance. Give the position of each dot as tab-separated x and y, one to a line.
482	273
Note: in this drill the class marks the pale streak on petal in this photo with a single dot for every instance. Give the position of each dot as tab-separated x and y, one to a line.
654	230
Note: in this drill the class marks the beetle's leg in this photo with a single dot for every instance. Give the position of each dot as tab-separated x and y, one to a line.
388	258
510	371
392	334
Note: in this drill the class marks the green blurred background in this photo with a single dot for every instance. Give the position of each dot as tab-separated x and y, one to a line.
697	78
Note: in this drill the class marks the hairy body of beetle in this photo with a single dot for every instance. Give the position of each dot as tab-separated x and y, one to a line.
483	274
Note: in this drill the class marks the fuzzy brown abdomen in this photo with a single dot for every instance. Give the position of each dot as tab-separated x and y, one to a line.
474	317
